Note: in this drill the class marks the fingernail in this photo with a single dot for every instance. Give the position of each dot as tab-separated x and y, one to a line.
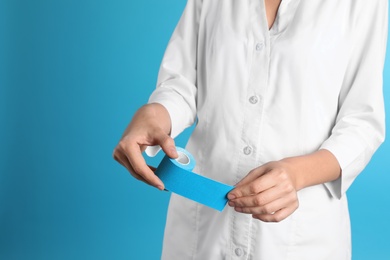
231	204
160	187
231	197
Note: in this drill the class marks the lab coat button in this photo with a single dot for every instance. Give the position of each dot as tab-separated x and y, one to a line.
247	150
259	46
238	251
253	99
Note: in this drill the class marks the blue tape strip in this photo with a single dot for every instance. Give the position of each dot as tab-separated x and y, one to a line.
179	178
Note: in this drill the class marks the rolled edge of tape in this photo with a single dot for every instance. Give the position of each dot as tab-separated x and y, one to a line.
185	160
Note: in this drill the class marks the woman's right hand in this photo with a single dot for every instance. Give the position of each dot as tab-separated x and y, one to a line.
150	126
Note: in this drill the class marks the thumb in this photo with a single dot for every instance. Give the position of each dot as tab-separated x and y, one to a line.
167	145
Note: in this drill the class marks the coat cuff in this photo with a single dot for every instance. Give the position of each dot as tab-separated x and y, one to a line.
352	159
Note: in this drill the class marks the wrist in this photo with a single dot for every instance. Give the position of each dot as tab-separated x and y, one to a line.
294	169
312	169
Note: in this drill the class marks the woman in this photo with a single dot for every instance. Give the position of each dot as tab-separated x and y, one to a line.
289	107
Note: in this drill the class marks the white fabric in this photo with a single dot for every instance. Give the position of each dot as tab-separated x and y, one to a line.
314	80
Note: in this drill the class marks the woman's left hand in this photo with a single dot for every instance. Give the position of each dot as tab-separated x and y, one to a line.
268	192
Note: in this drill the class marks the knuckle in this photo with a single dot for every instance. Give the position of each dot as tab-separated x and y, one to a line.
245	210
253	189
237	204
288	187
122	145
278	218
257	201
260	200
237	193
266	210
283	176
137	169
168	140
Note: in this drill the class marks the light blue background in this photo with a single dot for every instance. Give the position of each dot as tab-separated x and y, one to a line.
72	73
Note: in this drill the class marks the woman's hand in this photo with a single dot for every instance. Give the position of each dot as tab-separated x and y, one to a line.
150	125
268	192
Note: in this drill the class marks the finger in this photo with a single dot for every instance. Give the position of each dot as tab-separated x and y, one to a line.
257	200
154	169
167	144
252	175
256	186
277	216
137	162
122	159
269	208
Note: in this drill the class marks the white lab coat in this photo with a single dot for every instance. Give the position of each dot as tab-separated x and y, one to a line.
313	81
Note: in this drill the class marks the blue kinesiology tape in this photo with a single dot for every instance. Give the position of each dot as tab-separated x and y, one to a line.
177	176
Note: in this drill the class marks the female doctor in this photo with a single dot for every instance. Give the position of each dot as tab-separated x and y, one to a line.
289	107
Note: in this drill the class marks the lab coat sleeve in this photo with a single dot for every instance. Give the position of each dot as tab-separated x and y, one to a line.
176	85
360	124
